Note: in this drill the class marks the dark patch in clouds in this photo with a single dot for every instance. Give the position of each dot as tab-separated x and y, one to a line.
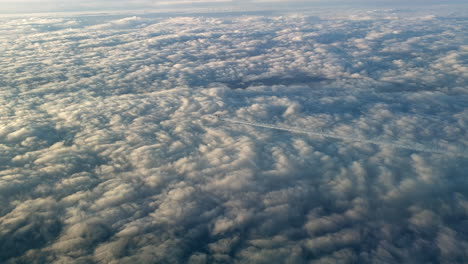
296	79
108	153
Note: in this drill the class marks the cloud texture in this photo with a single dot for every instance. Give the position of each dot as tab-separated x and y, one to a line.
108	153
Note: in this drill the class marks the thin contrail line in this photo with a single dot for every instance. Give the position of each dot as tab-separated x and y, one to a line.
409	146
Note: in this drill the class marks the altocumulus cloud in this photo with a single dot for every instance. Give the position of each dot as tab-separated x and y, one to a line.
108	153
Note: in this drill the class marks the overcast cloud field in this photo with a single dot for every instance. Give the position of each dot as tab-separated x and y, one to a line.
110	150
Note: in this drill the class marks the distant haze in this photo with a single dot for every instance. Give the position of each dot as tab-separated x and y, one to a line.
39	6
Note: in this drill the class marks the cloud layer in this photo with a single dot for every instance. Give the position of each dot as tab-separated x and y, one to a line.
108	153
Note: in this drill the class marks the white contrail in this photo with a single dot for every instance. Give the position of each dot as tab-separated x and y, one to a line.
410	146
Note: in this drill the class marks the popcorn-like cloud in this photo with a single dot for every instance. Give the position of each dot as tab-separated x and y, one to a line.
109	151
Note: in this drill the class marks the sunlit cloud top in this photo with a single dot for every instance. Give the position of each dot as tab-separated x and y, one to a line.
111	152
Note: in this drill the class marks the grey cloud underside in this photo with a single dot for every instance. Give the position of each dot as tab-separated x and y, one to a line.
106	154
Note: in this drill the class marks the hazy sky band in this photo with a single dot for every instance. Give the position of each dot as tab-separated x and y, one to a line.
25	6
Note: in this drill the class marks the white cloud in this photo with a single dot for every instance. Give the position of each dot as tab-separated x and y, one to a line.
108	153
